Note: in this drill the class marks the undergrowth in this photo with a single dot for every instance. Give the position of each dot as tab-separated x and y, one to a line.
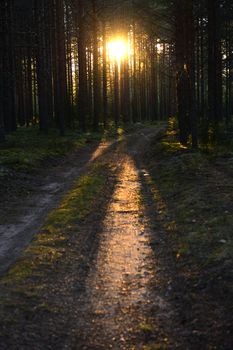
27	148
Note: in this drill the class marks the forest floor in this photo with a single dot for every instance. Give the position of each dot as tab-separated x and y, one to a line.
32	182
134	252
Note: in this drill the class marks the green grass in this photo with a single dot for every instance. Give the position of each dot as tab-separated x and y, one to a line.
146	328
51	243
193	202
24	288
158	346
27	148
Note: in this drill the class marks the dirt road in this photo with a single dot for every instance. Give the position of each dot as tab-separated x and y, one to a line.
111	290
21	218
117	302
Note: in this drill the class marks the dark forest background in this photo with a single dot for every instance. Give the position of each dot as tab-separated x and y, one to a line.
55	70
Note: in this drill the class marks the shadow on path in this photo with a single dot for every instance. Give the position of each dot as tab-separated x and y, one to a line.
109	290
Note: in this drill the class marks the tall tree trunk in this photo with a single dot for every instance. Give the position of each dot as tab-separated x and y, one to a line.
191	73
61	55
153	79
181	68
41	64
96	73
82	84
185	60
8	68
214	63
116	94
2	49
105	88
135	87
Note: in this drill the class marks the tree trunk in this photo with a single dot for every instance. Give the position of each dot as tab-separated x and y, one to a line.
105	89
82	86
61	56
116	95
96	73
214	64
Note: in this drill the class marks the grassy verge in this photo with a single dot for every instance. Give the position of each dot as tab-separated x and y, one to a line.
21	287
26	149
193	194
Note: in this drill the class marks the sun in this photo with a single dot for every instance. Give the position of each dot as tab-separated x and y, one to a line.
117	49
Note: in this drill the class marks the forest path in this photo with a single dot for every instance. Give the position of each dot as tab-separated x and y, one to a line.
113	278
109	289
117	301
22	217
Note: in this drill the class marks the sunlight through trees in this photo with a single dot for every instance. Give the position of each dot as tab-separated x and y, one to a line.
58	64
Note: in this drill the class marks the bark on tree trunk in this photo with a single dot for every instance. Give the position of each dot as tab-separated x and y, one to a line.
96	73
105	91
82	86
214	64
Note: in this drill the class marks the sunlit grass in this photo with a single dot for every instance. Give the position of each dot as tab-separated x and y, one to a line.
158	346
146	328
